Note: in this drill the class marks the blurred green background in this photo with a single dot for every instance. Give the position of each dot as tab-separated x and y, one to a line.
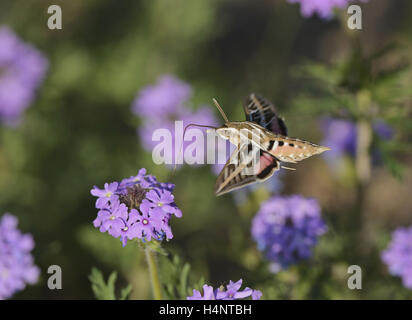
80	132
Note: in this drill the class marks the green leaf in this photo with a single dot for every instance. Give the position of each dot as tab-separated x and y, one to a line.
106	291
125	292
184	276
101	290
176	277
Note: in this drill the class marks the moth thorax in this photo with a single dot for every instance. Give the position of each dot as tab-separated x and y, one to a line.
134	196
224	132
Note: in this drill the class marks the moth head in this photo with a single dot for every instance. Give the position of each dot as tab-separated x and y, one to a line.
224	132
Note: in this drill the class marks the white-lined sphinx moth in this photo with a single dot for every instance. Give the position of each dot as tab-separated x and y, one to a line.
264	132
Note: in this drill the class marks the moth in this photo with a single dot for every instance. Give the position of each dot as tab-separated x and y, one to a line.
265	132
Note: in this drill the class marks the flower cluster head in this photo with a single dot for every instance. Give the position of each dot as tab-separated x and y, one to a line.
323	8
341	135
16	262
136	207
231	293
22	69
287	228
398	255
162	106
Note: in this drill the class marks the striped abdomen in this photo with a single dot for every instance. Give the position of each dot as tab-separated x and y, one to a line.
292	149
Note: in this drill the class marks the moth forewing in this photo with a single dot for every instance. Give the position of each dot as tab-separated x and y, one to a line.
232	175
251	153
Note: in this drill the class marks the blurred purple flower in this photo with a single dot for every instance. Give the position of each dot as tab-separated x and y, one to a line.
16	262
323	8
22	70
340	135
398	255
167	96
137	207
286	229
160	107
231	293
383	130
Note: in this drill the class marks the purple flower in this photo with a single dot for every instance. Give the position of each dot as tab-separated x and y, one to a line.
164	106
398	255
16	262
208	294
140	177
324	8
138	207
175	124
105	195
231	293
147	224
22	69
111	218
165	97
383	130
256	295
162	199
341	135
287	228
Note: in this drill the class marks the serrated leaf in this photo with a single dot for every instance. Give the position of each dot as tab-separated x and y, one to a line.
101	290
125	292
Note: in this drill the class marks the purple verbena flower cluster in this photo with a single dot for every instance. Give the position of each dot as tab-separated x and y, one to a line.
287	228
231	293
398	255
323	8
137	207
161	105
22	70
16	262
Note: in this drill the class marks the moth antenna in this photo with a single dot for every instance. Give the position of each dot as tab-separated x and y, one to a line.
288	168
183	140
220	110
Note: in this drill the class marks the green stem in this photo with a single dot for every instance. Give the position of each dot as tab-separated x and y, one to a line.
363	173
363	159
154	274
